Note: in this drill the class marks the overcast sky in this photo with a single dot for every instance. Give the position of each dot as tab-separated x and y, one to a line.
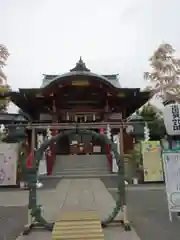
112	36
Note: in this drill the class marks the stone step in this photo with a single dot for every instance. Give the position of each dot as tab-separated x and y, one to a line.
81	173
80	165
73	166
83	169
80	168
90	175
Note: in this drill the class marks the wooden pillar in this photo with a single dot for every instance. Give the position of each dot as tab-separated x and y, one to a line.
33	139
121	141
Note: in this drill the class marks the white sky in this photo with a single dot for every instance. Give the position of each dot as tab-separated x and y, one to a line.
112	36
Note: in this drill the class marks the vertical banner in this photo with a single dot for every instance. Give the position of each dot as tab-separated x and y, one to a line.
42	170
114	163
171	163
172	119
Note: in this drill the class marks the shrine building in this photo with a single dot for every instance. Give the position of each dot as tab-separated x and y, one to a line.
80	97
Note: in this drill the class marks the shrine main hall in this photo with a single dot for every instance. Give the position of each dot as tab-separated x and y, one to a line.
81	97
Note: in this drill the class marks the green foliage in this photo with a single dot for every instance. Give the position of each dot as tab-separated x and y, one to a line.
135	154
154	119
4	87
4	102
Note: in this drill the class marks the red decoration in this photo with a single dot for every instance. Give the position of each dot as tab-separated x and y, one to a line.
101	130
29	161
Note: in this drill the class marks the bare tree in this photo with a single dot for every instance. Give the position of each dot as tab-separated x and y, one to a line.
164	79
4	87
4	54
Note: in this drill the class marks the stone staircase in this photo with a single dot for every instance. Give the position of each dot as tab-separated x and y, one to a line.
80	165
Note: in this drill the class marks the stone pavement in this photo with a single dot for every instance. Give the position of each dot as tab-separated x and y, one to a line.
148	211
78	194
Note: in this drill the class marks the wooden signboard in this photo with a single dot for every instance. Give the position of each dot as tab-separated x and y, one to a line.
80	83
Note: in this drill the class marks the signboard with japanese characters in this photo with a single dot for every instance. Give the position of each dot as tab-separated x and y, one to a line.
172	119
171	162
8	163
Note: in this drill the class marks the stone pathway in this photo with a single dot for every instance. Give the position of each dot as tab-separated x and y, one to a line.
79	194
12	220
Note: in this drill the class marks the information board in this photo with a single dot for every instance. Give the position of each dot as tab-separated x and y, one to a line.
8	163
171	162
152	162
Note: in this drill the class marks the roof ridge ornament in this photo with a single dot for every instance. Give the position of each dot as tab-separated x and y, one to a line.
80	67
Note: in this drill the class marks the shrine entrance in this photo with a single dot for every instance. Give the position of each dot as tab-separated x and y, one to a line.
80	154
97	101
80	145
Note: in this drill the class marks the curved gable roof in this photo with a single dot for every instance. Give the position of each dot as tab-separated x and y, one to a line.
64	77
81	70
